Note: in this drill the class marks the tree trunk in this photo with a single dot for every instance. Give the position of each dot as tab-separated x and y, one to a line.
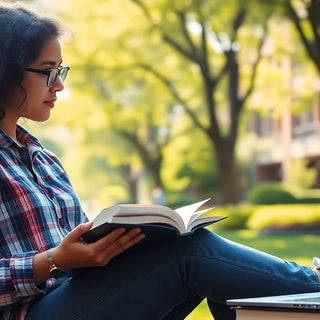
133	189
228	175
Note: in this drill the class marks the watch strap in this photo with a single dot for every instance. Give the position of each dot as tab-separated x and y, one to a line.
54	270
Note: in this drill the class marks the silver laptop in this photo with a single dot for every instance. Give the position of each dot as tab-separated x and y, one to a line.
292	301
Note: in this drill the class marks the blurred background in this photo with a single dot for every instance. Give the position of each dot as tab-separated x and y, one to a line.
175	101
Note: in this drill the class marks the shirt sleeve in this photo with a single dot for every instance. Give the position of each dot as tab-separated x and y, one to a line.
16	280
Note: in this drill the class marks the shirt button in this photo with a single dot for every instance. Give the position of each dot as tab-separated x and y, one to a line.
61	222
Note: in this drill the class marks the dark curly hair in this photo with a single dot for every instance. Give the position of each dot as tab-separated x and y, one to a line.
23	34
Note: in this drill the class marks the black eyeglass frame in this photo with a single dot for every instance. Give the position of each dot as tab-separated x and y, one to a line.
60	72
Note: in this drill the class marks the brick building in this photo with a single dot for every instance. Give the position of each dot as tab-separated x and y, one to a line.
293	137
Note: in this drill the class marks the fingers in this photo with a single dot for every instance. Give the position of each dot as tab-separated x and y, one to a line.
126	241
119	236
111	237
116	242
75	253
75	234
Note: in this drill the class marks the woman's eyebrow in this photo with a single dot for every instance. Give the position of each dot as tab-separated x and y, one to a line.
49	62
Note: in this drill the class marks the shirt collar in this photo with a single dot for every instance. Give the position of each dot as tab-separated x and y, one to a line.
23	135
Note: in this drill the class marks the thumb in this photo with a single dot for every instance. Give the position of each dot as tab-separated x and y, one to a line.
76	233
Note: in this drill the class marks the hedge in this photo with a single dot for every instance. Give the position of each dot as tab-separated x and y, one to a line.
280	217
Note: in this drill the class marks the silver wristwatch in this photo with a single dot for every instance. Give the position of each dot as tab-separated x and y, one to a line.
54	270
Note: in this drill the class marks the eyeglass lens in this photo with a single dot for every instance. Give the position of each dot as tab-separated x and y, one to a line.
55	73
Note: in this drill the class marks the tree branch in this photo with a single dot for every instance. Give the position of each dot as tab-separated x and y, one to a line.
174	93
140	147
183	24
297	22
257	61
314	18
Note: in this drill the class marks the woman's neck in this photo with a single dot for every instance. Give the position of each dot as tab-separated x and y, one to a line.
9	127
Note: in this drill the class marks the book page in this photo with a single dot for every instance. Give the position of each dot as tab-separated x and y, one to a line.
146	220
189	213
134	210
143	209
203	221
180	218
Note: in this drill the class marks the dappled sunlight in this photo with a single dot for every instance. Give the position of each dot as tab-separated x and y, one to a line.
281	244
296	246
247	234
308	238
303	261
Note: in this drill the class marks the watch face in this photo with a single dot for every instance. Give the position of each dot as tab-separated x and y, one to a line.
57	273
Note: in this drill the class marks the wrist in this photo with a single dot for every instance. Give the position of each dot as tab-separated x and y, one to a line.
55	271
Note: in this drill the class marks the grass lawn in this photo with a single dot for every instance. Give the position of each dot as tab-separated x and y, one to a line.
298	247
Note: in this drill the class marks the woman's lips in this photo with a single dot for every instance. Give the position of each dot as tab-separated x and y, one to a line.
50	103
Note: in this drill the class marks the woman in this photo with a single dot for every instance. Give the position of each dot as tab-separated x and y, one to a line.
46	270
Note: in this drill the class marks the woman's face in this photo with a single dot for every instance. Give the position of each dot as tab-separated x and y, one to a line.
40	98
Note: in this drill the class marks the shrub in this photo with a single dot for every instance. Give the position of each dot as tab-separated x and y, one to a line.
285	217
302	176
270	193
309	200
237	216
307	195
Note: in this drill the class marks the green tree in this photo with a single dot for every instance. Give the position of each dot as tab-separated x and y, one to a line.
210	38
144	61
138	108
305	15
200	56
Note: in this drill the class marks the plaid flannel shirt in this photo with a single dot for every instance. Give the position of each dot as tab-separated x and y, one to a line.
38	207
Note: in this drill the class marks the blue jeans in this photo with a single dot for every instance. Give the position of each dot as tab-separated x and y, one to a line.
167	281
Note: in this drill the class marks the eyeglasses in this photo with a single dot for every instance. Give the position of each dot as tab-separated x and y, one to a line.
52	74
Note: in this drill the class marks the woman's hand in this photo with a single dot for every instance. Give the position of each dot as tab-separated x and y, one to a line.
73	252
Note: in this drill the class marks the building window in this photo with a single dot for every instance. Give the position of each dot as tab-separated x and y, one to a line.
304	123
266	126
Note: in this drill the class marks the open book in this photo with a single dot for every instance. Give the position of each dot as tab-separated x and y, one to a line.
152	219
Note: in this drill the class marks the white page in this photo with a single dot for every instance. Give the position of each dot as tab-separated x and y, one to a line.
188	211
